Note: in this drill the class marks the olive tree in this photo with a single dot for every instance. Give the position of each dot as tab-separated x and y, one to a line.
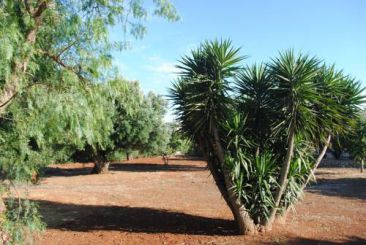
131	121
357	142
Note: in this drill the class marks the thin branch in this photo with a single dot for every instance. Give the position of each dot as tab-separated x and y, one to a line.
16	93
27	7
41	7
10	99
62	64
318	161
67	48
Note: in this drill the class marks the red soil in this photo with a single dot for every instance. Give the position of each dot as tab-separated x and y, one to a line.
144	202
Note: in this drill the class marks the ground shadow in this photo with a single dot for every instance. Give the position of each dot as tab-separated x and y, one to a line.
346	187
128	167
152	167
309	241
65	172
132	219
188	158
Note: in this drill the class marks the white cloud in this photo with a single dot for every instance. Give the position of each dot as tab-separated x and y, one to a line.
160	66
167	68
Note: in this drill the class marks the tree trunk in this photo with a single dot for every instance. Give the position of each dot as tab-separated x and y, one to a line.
362	161
2	206
2	217
34	177
101	167
283	178
242	218
281	218
128	156
318	161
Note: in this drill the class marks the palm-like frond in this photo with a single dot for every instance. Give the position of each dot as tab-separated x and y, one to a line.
216	60
201	93
294	92
253	88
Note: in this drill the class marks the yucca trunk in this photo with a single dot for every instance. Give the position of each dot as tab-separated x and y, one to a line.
318	161
282	183
281	218
242	218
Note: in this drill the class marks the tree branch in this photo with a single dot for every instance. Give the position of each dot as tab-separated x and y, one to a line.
41	7
318	161
67	48
57	59
27	7
17	92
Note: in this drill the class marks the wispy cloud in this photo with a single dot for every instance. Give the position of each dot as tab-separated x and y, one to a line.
166	68
161	66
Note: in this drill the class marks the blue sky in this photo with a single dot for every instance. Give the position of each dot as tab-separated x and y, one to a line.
333	30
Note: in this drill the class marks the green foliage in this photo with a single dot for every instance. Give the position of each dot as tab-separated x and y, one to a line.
201	93
22	220
357	140
46	126
254	182
55	57
178	142
71	36
300	168
135	122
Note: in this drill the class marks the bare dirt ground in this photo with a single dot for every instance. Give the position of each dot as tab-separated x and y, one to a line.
144	202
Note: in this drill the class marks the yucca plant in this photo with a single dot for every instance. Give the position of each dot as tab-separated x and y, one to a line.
259	136
294	95
202	98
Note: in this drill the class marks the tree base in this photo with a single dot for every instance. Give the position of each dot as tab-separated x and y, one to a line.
100	168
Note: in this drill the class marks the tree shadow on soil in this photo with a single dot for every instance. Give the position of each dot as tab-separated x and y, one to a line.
186	158
65	172
345	187
128	167
130	219
152	167
308	241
